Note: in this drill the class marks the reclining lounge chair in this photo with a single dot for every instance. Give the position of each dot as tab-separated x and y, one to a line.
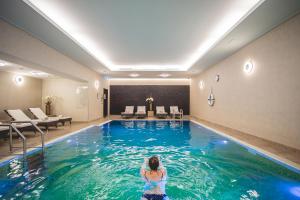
141	112
160	112
128	112
174	112
4	127
19	115
40	115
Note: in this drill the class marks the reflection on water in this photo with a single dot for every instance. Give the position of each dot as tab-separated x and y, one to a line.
103	163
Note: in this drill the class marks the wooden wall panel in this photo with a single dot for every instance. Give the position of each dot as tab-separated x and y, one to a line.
164	95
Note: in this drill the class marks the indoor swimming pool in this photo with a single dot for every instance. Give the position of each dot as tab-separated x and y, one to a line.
103	162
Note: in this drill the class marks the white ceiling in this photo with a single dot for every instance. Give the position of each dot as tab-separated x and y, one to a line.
142	34
147	37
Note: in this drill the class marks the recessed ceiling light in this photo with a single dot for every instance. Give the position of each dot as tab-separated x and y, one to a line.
2	63
164	75
36	73
134	75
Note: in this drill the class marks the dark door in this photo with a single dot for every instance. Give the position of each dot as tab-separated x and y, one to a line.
105	102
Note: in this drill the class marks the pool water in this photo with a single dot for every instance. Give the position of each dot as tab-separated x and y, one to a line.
104	162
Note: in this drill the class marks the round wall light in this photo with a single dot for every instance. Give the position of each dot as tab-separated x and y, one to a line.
19	80
201	85
248	67
96	84
217	78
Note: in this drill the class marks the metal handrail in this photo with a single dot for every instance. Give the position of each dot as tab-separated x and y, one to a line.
36	127
181	113
13	127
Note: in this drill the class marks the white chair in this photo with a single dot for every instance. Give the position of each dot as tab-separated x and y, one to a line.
128	112
160	112
39	114
174	112
141	112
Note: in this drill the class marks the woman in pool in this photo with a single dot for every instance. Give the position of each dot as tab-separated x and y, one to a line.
155	177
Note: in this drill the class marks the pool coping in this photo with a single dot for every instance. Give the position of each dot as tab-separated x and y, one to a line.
30	151
268	155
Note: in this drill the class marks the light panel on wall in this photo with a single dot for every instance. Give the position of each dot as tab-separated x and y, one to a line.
201	85
97	84
248	67
19	80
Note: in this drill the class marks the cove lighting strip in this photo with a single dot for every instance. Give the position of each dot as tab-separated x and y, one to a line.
64	23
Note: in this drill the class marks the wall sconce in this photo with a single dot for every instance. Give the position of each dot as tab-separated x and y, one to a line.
217	78
201	85
96	84
19	80
248	67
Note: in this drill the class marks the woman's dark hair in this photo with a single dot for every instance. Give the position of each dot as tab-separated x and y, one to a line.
154	163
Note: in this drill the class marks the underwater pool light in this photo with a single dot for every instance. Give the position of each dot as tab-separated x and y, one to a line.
225	141
295	191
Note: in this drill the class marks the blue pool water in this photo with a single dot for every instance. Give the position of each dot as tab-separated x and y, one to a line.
104	162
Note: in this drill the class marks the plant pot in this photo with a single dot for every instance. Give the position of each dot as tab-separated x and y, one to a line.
48	109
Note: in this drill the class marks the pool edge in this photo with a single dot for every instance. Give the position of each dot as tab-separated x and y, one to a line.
271	156
36	148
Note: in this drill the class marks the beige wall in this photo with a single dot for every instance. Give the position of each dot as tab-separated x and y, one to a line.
18	47
12	96
265	103
71	98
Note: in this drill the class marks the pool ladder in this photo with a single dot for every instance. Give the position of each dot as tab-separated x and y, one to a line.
12	127
173	116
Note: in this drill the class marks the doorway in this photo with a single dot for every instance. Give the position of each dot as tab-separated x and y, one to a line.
105	102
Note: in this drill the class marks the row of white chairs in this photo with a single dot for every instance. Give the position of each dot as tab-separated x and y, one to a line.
160	112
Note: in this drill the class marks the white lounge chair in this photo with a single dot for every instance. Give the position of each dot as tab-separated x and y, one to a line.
141	112
39	114
128	112
160	112
19	115
174	112
4	128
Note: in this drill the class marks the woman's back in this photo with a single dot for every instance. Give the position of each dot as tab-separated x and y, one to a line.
155	180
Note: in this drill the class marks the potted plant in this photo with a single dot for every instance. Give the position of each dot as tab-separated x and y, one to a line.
48	101
150	101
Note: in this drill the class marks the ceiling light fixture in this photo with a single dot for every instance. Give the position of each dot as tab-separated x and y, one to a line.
134	75
36	73
2	64
164	75
65	23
